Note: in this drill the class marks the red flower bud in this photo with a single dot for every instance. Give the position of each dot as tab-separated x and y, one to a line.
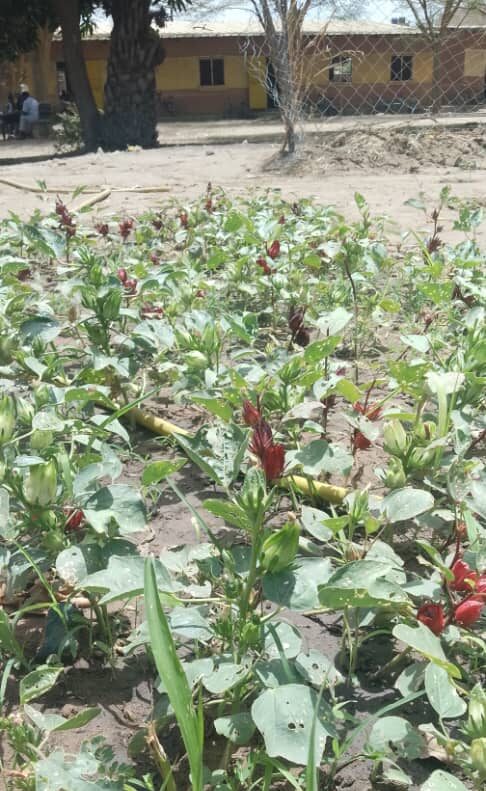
465	578
360	442
102	228
122	275
481	584
154	258
281	219
274	250
262	438
130	285
372	412
273	461
433	616
468	611
251	415
296	319
184	219
74	518
302	337
263	264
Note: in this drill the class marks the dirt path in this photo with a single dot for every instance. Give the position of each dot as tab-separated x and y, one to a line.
237	168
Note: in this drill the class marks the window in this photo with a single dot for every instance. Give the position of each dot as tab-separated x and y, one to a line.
342	69
211	71
401	68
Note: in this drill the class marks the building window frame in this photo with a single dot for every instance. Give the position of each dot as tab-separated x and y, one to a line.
341	69
211	72
401	68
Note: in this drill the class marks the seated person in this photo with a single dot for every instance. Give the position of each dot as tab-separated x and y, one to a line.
29	113
9	118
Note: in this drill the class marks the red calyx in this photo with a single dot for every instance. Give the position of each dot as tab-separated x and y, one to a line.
433	616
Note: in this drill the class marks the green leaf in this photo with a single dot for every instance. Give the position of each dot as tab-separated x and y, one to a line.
348	391
287	635
313	522
442	781
319	350
232	513
120	503
334	322
216	406
421	639
403	504
158	470
238	728
47	421
43	327
361	583
173	677
217	451
395	733
123	579
320	457
225	675
284	717
76	562
189	622
442	694
411	679
38	682
418	342
317	669
297	587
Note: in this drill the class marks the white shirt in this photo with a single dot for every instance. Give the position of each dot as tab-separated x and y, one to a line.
30	109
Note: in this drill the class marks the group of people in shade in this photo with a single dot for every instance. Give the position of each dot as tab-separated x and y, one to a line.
20	114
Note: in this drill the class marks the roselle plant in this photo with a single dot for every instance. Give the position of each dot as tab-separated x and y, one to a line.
328	385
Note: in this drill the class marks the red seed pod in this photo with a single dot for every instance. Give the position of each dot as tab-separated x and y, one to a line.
131	285
251	415
274	250
122	275
433	616
465	579
273	461
469	611
360	442
74	518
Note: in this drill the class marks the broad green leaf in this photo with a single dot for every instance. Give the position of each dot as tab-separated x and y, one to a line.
38	682
317	669
334	322
313	522
395	733
123	579
421	639
53	723
238	728
319	350
297	587
218	451
442	694
189	622
118	503
289	638
320	457
442	781
418	342
76	562
411	679
348	391
284	717
47	421
225	675
216	406
156	471
403	504
361	583
43	327
172	674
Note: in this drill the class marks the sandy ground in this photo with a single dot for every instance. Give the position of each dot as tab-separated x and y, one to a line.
238	169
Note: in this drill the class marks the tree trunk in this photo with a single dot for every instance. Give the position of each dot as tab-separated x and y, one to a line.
436	93
68	14
42	84
136	49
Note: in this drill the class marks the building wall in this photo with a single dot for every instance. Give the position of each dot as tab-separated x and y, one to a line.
463	70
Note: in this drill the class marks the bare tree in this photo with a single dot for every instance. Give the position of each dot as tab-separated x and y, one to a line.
434	19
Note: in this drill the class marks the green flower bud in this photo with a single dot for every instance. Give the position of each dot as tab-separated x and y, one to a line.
41	439
478	756
280	548
7	418
42	396
395	438
3	468
40	484
196	359
7	346
476	721
395	476
426	431
25	411
420	459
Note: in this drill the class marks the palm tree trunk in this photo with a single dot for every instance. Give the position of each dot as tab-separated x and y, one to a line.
136	49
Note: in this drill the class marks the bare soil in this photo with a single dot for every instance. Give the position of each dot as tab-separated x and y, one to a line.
387	166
